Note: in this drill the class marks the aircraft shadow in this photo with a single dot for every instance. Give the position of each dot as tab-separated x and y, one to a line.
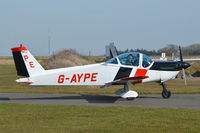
88	98
150	97
4	98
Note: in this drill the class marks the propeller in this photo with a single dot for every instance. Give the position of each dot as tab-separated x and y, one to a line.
183	65
180	52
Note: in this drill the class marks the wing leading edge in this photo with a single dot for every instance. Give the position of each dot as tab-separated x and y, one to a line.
133	80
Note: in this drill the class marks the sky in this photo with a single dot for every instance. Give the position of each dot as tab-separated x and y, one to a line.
89	25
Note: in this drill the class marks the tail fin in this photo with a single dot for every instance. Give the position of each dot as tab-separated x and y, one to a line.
26	64
111	50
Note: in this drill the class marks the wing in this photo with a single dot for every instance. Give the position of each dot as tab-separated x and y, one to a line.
133	80
191	60
185	60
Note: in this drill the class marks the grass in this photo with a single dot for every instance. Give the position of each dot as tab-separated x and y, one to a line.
22	118
8	84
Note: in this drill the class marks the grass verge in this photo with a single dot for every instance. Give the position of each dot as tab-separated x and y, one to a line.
22	118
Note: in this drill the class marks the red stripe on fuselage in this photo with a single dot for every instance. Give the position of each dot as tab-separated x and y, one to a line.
140	72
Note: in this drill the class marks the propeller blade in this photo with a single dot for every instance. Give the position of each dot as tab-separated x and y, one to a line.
180	52
184	76
183	64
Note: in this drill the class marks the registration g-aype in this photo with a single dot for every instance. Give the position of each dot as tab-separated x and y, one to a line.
125	69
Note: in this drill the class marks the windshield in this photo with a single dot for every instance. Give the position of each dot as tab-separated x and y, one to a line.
146	61
131	59
112	61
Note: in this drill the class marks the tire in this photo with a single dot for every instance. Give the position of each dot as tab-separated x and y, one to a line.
166	94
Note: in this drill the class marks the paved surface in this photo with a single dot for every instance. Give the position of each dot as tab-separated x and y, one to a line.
176	101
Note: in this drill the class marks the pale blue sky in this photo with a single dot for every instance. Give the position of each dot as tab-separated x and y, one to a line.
91	24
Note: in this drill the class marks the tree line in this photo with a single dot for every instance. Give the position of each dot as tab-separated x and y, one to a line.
191	50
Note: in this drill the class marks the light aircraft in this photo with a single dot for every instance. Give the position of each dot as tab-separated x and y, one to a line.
125	69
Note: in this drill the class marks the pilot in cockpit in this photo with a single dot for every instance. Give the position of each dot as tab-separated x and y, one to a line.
130	60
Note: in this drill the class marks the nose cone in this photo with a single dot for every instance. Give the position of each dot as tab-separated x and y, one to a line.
185	65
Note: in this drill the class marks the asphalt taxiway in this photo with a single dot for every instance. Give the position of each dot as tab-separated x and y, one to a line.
190	101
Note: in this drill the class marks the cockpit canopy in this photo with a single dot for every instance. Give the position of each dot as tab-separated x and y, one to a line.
131	59
146	61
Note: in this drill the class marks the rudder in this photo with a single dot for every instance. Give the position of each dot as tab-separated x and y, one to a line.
26	64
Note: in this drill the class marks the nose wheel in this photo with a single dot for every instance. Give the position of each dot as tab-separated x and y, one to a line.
165	93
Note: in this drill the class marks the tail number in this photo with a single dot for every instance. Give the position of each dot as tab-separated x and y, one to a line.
77	78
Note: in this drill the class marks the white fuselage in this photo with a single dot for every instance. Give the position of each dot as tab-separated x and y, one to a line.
95	74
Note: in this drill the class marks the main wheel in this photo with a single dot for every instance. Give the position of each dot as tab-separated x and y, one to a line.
166	94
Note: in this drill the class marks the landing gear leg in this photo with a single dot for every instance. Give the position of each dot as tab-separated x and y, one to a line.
165	93
126	93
